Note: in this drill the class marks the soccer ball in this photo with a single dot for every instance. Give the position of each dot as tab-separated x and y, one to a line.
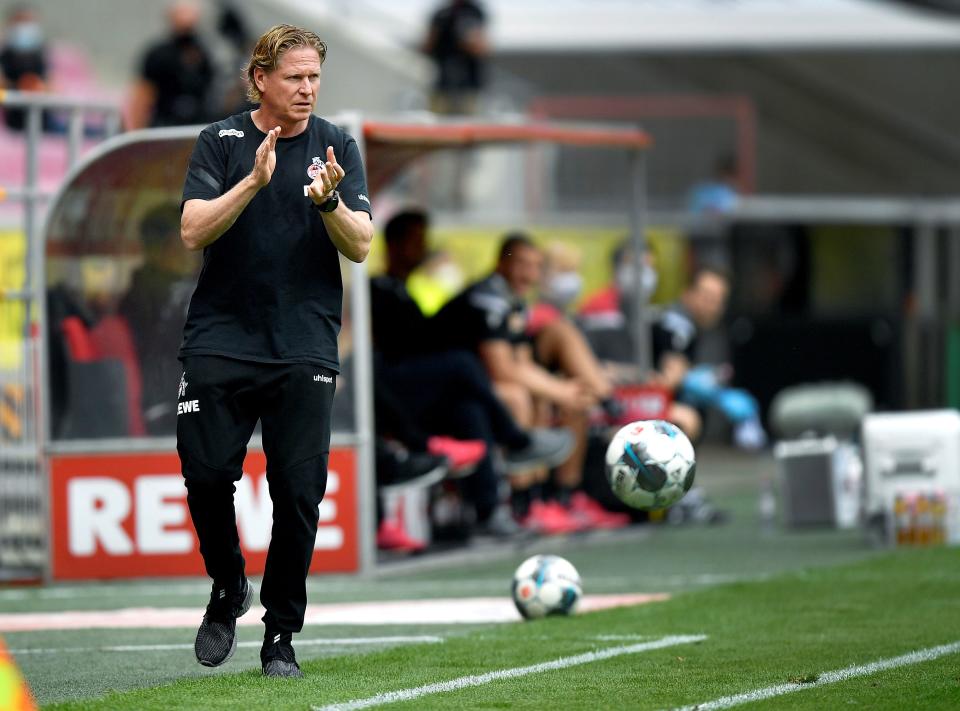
650	464
546	585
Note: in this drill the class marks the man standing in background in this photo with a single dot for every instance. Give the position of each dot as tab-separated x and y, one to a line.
176	76
457	43
23	59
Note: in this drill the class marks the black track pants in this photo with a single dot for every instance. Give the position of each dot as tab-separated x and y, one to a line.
220	401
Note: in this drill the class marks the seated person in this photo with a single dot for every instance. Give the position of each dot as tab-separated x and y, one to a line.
489	318
446	391
155	307
606	318
675	333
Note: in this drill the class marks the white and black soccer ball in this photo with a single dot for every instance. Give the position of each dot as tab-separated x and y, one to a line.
650	464
546	585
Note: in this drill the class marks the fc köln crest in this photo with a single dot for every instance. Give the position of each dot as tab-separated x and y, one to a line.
313	170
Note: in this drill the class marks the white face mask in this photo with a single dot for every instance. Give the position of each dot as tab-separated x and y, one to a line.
625	279
448	275
562	288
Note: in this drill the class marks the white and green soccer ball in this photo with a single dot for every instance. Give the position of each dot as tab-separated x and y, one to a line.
650	464
546	585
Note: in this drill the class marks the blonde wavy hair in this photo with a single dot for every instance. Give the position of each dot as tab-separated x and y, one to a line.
272	45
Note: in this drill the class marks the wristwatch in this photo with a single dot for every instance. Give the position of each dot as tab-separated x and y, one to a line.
328	205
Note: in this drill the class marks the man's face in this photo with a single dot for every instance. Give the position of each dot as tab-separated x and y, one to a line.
289	92
707	299
412	249
522	269
183	16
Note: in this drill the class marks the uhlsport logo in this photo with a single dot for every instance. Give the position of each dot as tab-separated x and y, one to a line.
230	132
321	378
363	197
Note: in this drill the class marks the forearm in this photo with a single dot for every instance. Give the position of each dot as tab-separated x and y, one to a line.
673	369
350	231
540	382
204	221
140	105
515	364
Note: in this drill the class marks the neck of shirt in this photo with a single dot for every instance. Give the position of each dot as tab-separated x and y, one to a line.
264	123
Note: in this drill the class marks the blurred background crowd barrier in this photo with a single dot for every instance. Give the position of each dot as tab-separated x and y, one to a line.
808	146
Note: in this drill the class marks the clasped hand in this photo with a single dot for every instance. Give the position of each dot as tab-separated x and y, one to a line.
323	185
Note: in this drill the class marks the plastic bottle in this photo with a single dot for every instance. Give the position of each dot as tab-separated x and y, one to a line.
767	506
924	520
903	534
938	506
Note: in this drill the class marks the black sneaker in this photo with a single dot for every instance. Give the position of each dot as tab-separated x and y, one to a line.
548	447
277	657
217	636
398	467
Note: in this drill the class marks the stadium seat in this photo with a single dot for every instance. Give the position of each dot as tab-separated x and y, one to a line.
103	375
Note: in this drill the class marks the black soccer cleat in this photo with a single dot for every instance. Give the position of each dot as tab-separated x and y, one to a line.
217	636
277	657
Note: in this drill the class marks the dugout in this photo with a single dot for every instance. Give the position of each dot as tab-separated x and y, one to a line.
116	506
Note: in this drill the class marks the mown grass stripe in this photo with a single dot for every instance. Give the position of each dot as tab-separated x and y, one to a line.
463	682
831	677
331	642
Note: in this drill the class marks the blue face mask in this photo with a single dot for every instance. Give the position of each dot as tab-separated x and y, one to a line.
25	37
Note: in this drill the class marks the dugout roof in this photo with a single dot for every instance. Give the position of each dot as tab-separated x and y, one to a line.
92	209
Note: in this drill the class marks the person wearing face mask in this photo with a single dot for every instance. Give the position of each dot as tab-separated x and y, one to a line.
605	315
23	59
176	76
558	343
605	318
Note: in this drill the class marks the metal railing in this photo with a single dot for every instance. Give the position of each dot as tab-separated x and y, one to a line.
23	499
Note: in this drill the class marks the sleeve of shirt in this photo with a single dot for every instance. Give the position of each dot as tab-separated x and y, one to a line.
487	315
353	187
207	169
673	334
151	66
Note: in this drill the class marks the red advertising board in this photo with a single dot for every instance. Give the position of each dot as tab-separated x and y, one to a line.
125	516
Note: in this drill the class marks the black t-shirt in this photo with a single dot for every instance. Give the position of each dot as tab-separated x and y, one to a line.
16	65
182	75
485	311
270	287
674	332
399	327
458	69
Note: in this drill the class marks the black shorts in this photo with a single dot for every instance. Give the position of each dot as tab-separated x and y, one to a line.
221	399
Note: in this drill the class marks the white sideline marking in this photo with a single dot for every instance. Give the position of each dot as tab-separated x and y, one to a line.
463	682
831	677
466	610
98	591
335	642
620	637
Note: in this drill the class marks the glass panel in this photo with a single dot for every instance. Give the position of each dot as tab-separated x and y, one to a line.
118	285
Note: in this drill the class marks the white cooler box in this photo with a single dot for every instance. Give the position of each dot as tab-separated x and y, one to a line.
910	453
819	482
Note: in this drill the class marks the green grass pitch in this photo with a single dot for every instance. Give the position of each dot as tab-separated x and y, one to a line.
776	607
788	629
